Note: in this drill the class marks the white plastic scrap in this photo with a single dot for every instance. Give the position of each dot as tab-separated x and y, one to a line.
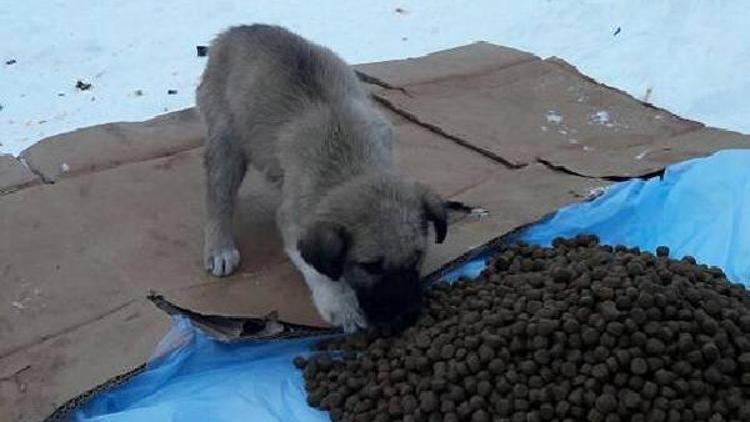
601	117
479	212
642	154
597	192
553	116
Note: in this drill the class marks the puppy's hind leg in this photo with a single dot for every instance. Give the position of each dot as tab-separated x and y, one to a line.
225	167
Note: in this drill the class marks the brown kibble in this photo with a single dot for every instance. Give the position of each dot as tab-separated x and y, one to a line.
604	293
638	366
579	332
484	388
394	407
606	403
486	353
409	404
650	390
480	416
447	351
300	362
710	351
655	346
398	375
423	341
571	326
562	275
702	408
450	417
744	361
590	336
428	401
456	393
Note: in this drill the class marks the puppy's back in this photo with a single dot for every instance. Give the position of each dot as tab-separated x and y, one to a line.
263	69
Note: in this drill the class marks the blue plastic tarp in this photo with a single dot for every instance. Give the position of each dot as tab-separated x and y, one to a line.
699	207
197	378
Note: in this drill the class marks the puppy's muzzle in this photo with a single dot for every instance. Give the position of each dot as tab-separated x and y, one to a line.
394	301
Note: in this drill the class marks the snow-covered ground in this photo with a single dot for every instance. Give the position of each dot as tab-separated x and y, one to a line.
689	57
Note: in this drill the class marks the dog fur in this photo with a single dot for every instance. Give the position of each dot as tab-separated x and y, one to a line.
352	224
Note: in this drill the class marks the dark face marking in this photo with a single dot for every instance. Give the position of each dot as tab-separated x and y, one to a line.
373	267
324	247
435	212
388	296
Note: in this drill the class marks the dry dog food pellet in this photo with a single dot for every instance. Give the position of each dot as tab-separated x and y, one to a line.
579	331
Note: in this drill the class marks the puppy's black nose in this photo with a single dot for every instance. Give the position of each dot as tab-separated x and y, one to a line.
395	300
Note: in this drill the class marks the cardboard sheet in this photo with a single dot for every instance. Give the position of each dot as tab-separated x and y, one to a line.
458	62
525	110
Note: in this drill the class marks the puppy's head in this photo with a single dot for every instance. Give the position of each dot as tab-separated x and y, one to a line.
373	236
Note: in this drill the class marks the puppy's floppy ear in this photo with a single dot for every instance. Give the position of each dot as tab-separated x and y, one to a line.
435	212
324	246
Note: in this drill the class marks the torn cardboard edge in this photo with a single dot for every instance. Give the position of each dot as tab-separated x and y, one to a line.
459	61
221	327
15	174
691	145
564	169
230	329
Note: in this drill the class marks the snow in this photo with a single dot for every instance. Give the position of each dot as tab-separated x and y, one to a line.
601	117
553	116
642	154
688	57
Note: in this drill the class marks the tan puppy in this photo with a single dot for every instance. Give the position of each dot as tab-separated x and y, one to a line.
351	223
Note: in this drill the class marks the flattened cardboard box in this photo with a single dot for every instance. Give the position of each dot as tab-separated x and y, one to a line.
88	249
522	110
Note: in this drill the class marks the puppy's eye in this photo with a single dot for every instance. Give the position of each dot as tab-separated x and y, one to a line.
375	267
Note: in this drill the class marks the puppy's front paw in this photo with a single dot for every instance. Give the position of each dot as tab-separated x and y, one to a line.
338	306
350	319
221	262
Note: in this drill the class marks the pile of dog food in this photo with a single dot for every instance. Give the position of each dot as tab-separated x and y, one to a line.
579	331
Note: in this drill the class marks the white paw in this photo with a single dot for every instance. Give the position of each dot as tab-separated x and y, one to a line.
338	305
335	300
222	262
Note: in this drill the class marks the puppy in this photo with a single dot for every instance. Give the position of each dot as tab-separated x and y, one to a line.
351	223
